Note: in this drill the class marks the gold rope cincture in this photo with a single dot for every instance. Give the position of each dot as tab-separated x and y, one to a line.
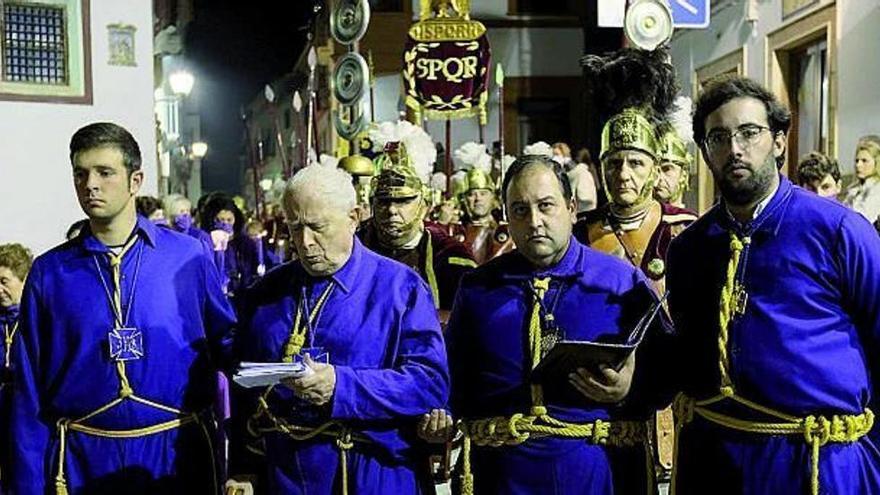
516	429
64	425
344	437
816	430
9	335
429	271
342	434
300	328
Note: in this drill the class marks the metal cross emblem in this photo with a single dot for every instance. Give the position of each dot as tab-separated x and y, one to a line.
126	344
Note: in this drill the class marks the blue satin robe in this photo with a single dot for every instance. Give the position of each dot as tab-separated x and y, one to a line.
381	331
597	297
803	346
63	368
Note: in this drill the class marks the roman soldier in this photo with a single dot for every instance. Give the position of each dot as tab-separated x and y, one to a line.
675	163
632	224
483	234
400	203
362	171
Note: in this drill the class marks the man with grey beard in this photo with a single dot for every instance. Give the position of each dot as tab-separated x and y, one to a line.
774	295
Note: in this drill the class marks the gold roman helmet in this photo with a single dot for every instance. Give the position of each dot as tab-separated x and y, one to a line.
477	166
673	149
629	130
397	177
358	166
478	179
361	169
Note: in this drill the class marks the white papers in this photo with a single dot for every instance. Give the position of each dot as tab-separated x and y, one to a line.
251	375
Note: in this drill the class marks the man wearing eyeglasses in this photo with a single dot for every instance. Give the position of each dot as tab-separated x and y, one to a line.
774	294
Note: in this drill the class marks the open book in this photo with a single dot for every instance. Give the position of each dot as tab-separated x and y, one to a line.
568	355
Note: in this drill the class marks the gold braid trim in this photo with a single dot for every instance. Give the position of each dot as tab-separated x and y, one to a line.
728	308
298	332
9	336
429	271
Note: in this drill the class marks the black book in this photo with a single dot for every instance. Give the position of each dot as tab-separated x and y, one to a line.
568	355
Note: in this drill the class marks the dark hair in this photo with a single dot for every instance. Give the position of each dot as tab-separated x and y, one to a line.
725	88
147	205
75	228
107	134
517	167
214	205
815	166
584	156
17	258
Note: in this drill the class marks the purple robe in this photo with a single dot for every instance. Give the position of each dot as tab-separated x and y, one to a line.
804	345
380	330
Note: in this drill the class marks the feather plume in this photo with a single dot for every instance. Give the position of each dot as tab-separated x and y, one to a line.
418	143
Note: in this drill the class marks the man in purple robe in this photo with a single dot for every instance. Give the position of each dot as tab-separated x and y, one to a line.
525	434
350	425
774	293
121	333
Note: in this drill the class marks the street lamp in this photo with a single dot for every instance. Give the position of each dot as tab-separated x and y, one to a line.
181	82
199	149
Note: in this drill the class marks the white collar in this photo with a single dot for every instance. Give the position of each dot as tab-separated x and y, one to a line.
764	202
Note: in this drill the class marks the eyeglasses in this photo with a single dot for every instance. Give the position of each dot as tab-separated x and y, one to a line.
744	135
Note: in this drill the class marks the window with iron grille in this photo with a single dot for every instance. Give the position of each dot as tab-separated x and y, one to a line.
45	51
34	43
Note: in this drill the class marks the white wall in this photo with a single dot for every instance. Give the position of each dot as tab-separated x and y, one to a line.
858	39
37	201
858	88
521	51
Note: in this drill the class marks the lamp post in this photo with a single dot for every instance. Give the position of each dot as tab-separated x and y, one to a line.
180	83
199	149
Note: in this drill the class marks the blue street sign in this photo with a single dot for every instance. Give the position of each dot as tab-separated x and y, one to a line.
690	13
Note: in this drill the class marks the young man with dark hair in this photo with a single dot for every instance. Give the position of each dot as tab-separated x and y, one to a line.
819	173
122	330
774	294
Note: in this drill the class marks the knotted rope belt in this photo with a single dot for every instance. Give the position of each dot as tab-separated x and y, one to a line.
65	425
515	430
345	437
816	430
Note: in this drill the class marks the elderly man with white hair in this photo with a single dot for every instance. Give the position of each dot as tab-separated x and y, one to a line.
366	327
